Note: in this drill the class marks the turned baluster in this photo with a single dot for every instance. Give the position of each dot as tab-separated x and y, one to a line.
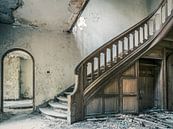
154	25
133	34
105	59
166	9
123	50
111	55
143	28
128	42
139	37
148	29
161	15
92	70
117	51
84	73
99	64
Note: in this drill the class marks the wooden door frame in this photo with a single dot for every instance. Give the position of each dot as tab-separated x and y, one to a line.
2	75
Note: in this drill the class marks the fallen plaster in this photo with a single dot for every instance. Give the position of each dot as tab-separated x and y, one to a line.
152	120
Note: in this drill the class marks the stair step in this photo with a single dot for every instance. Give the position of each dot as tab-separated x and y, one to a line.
67	92
53	113
18	104
57	105
62	99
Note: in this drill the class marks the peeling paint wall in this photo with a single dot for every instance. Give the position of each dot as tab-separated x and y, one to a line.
104	19
39	29
55	54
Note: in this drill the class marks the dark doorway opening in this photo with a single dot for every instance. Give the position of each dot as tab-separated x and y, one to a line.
150	91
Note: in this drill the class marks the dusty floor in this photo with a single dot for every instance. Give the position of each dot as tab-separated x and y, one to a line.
28	120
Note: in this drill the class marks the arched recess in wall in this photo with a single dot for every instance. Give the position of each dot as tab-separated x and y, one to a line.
23	60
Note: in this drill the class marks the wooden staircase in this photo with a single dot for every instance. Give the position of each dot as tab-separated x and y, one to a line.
115	56
109	60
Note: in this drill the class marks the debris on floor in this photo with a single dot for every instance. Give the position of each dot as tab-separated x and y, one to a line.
149	120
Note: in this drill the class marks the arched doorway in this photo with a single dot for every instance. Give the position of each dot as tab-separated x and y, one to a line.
18	81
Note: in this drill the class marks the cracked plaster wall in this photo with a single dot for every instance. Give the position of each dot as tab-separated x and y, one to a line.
55	54
38	28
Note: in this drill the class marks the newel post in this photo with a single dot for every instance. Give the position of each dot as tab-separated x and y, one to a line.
76	100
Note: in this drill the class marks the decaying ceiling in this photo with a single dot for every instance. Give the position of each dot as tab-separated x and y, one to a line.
8	6
6	10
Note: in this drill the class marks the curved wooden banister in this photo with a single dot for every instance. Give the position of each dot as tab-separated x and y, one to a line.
116	55
118	37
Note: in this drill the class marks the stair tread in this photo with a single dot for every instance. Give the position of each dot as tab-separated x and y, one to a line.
53	113
62	98
15	104
58	105
68	92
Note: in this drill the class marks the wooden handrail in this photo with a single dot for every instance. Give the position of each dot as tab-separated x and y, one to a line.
118	37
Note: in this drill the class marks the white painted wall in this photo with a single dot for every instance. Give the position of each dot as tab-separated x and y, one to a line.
152	4
26	78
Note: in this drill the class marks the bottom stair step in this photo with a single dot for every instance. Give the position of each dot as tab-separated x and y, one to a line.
53	113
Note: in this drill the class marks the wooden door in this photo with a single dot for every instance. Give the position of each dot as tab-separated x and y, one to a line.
106	101
170	83
129	95
146	86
